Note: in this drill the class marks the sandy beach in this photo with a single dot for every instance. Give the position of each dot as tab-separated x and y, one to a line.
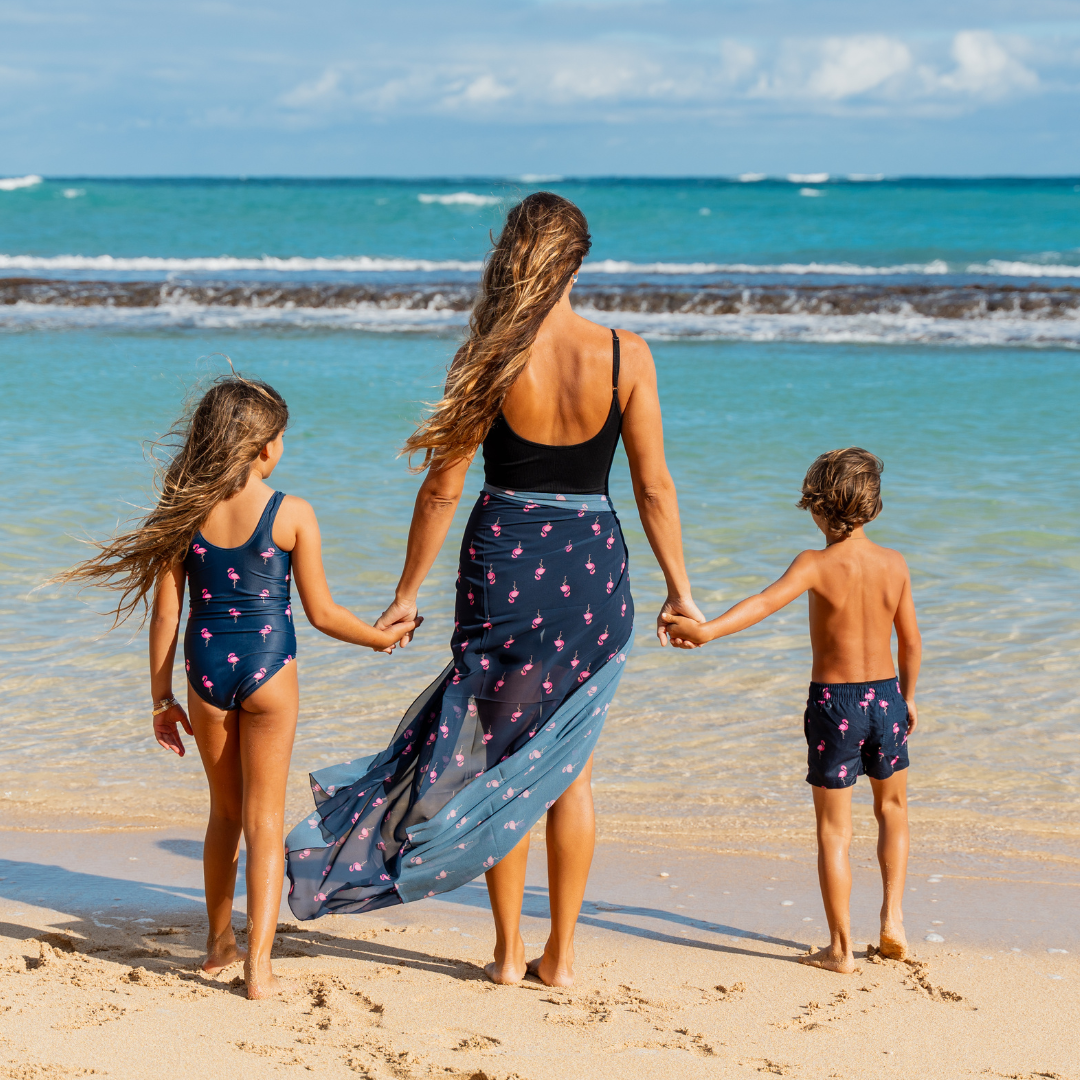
695	971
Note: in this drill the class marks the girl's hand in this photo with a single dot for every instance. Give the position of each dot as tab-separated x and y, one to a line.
393	633
685	633
398	612
676	606
165	729
912	716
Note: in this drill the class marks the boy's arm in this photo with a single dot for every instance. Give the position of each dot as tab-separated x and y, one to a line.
164	631
798	577
909	649
326	616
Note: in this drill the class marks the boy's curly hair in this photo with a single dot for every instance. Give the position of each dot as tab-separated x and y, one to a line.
844	488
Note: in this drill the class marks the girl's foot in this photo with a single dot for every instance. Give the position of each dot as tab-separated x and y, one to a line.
825	958
221	953
263	984
551	973
508	968
893	940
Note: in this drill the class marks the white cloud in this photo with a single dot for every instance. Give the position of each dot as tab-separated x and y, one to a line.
315	93
853	65
985	68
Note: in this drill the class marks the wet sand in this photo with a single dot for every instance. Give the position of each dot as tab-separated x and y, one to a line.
101	933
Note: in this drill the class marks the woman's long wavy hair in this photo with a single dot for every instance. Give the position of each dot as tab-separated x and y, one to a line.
541	247
213	445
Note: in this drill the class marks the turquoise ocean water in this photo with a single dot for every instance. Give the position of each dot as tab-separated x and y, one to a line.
978	436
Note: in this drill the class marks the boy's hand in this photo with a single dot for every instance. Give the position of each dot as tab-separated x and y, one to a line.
165	729
912	716
395	632
683	631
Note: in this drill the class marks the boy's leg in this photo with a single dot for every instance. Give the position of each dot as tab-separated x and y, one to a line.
833	809
506	889
890	809
267	727
219	747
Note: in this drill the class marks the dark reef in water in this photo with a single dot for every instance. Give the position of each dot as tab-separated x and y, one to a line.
944	301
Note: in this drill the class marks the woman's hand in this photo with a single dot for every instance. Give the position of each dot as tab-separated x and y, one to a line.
165	729
398	611
677	605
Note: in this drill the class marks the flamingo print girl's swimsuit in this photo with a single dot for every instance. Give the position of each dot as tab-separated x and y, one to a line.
240	630
854	728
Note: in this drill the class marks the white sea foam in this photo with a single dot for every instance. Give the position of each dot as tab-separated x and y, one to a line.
460	198
618	266
1007	268
808	177
13	183
540	178
812	192
751	177
228	263
73	192
865	177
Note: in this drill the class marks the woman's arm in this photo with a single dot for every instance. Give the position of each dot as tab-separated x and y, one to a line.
164	631
436	502
323	613
654	490
796	580
909	650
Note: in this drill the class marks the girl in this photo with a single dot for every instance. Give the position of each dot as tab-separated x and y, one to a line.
237	543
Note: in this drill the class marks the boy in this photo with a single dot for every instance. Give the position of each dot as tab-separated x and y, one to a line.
858	715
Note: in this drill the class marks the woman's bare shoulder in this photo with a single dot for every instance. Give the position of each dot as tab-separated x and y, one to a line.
635	356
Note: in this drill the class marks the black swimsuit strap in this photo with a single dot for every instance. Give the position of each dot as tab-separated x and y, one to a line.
615	364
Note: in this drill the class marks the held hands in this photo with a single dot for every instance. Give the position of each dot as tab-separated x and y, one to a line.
396	633
398	613
685	633
680	610
165	729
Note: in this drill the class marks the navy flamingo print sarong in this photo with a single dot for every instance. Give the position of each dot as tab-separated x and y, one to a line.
543	624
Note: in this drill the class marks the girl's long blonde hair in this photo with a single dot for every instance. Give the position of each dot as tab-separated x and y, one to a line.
213	444
542	245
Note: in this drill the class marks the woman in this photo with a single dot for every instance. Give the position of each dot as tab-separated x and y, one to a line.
543	618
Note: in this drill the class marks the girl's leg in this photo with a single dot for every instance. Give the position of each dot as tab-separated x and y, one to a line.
571	836
506	889
890	809
267	727
833	809
217	738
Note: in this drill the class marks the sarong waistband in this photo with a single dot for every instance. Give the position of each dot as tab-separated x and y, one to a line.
590	503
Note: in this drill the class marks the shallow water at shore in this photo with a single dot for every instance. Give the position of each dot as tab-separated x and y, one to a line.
979	492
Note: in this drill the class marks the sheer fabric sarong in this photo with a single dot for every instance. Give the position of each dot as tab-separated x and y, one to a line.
543	624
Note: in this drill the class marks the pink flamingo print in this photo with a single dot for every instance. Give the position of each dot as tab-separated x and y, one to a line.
491	574
603	637
459	760
187	666
234	577
896	729
610	541
583	676
574	663
267	629
267	555
610	585
487	738
205	635
545	529
208	684
356	866
516	552
233	659
538	620
485	663
843	728
288	660
471	597
538	573
528	667
514	594
587	614
559	643
623	612
235	613
547	684
497	528
569	546
884	706
487	498
870	694
516	715
842	774
565	589
200	551
288	611
259	675
499	685
264	595
206	594
472	549
821	748
596	527
445	730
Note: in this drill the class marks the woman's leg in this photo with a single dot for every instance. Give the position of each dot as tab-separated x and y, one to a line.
506	889
217	737
833	809
890	809
267	727
571	837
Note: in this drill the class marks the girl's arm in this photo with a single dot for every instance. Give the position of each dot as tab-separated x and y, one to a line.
654	489
796	580
436	502
319	606
909	650
164	630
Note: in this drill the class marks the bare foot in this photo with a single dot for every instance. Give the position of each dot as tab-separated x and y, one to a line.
222	953
830	961
893	940
509	968
550	973
265	986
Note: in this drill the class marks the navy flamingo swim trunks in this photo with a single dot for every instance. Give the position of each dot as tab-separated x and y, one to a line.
854	728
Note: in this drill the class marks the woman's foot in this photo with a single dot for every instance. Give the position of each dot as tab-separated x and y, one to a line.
893	940
842	963
261	984
508	966
551	972
221	952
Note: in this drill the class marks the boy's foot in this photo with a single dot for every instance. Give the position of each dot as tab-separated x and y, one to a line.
221	954
830	961
265	986
550	973
893	941
508	968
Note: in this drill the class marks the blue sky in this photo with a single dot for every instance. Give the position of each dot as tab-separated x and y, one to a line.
509	87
